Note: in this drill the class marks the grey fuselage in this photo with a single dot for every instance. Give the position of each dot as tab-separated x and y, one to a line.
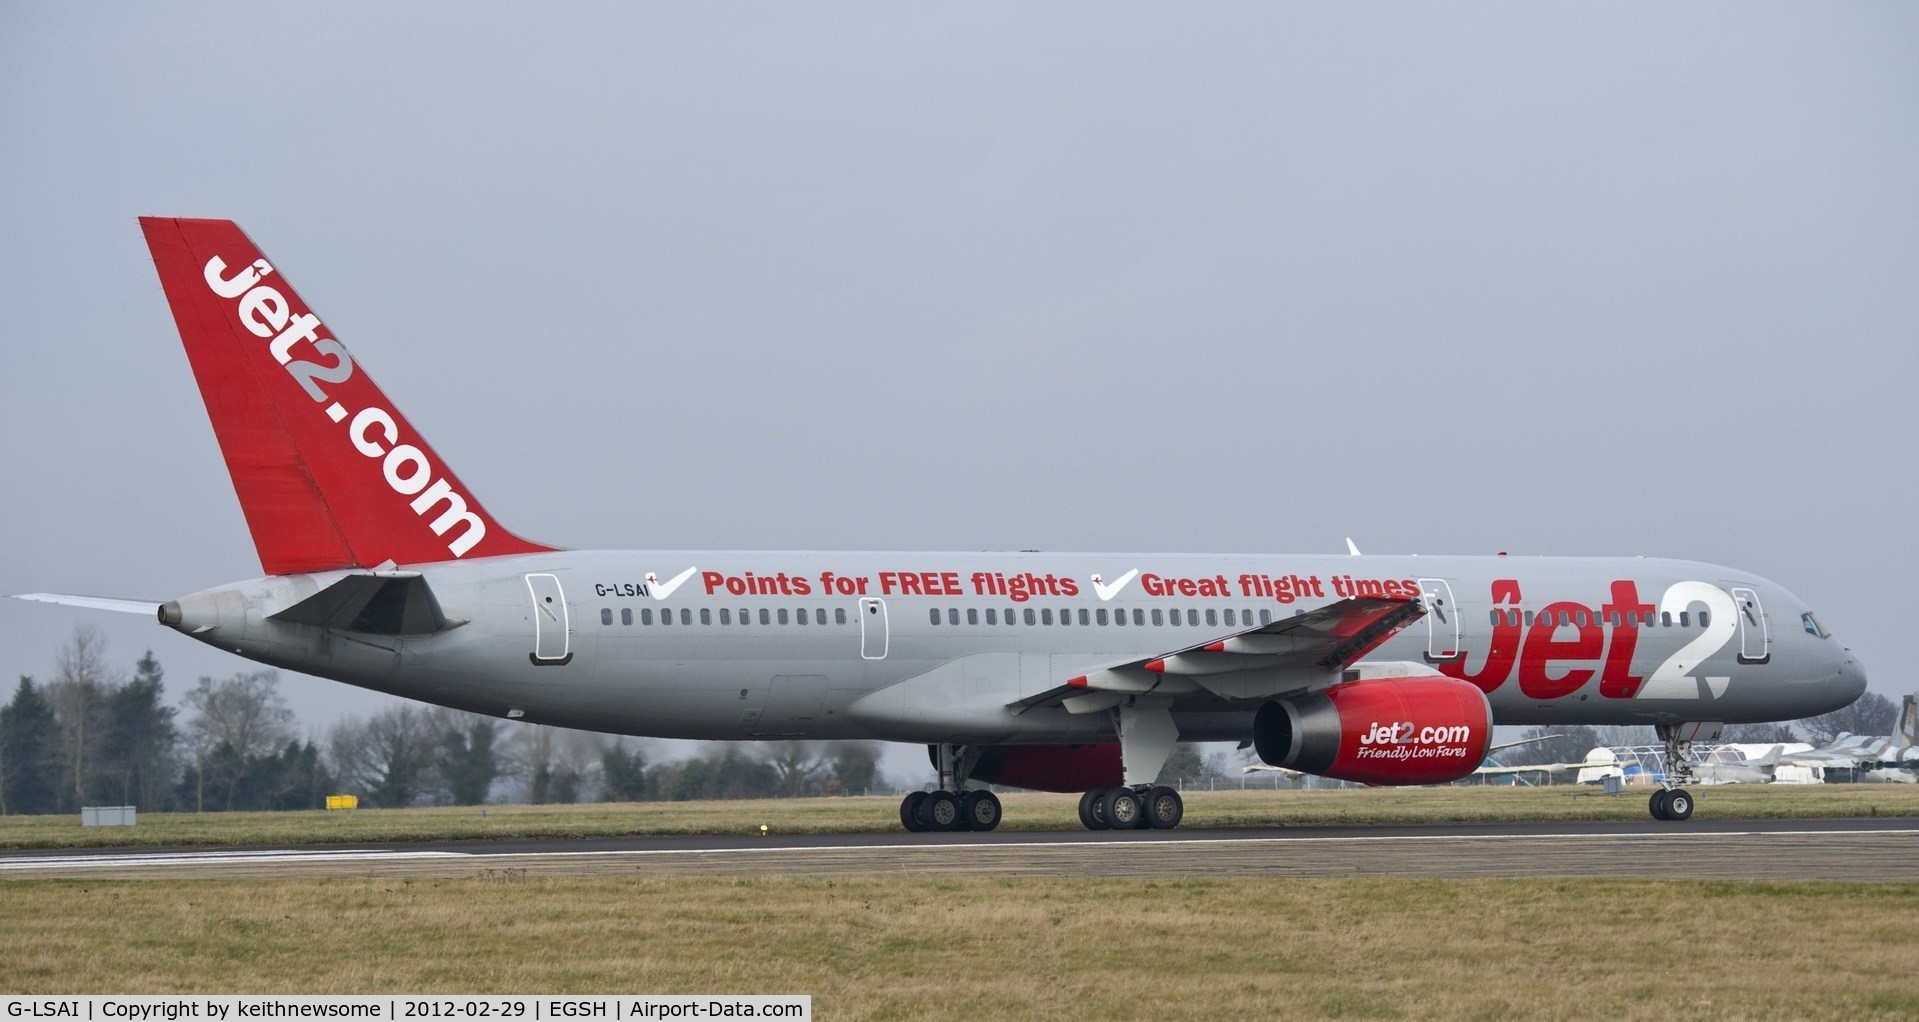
918	647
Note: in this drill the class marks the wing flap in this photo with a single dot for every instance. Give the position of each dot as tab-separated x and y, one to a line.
1320	643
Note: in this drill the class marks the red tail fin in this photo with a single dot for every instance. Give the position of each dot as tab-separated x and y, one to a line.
329	473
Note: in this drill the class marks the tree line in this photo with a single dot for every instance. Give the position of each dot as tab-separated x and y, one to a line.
95	735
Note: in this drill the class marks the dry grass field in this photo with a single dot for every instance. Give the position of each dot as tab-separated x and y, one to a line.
1024	811
893	948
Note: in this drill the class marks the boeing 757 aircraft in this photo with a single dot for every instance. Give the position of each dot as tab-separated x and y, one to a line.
1054	671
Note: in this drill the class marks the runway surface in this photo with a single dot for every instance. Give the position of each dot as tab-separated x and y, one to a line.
1871	849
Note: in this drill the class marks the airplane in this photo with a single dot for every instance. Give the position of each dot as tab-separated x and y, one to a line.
1850	751
1753	771
1052	671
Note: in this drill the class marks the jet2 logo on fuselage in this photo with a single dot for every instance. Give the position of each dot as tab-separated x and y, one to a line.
1107	592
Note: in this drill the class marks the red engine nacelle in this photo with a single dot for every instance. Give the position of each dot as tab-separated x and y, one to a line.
1052	767
1426	730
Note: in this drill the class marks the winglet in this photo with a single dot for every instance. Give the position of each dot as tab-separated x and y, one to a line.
329	473
1351	547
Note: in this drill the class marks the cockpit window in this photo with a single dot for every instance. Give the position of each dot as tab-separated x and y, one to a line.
1812	625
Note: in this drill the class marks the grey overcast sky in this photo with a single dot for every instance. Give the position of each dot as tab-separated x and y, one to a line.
1461	278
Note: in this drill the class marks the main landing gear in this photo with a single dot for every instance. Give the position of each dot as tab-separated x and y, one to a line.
1146	736
1672	802
952	807
1156	806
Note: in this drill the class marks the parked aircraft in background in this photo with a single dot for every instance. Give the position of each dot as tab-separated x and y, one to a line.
1754	771
1056	671
1851	752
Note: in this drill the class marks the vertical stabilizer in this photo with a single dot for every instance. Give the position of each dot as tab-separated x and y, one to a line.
329	473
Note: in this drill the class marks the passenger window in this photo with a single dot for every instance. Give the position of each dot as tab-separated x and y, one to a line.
766	616
1579	618
746	616
1702	618
1082	617
972	616
666	617
1212	617
706	616
1192	617
726	616
991	619
1158	618
1008	617
1100	616
646	615
686	616
1665	619
1265	617
1045	615
606	615
1682	620
839	616
1029	615
1119	617
800	615
1230	623
933	615
782	615
626	615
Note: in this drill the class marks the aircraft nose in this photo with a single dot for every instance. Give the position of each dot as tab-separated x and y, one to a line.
1852	676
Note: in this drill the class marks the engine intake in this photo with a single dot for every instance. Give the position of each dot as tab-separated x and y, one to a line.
1427	730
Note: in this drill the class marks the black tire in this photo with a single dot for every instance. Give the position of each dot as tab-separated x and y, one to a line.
1122	809
1679	805
980	810
1164	808
1092	810
939	811
1657	804
910	811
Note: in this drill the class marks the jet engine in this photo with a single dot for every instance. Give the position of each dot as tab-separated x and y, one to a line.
1051	767
1422	730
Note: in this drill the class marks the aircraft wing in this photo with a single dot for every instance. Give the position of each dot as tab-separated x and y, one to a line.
1251	663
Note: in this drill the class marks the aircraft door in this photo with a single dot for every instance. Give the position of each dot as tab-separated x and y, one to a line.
1442	620
552	635
1755	640
873	635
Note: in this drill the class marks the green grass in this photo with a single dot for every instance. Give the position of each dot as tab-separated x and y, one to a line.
894	948
1024	811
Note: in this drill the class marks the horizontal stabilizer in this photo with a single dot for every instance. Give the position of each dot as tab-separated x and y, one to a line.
147	607
386	603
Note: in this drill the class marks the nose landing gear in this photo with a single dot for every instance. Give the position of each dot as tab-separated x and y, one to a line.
1673	803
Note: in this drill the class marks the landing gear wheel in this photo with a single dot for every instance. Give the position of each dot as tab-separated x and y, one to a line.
1679	805
1657	804
1164	808
910	811
979	810
1122	809
1092	810
939	811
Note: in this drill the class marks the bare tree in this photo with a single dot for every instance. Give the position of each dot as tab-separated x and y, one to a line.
81	684
244	714
796	765
387	758
1870	714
